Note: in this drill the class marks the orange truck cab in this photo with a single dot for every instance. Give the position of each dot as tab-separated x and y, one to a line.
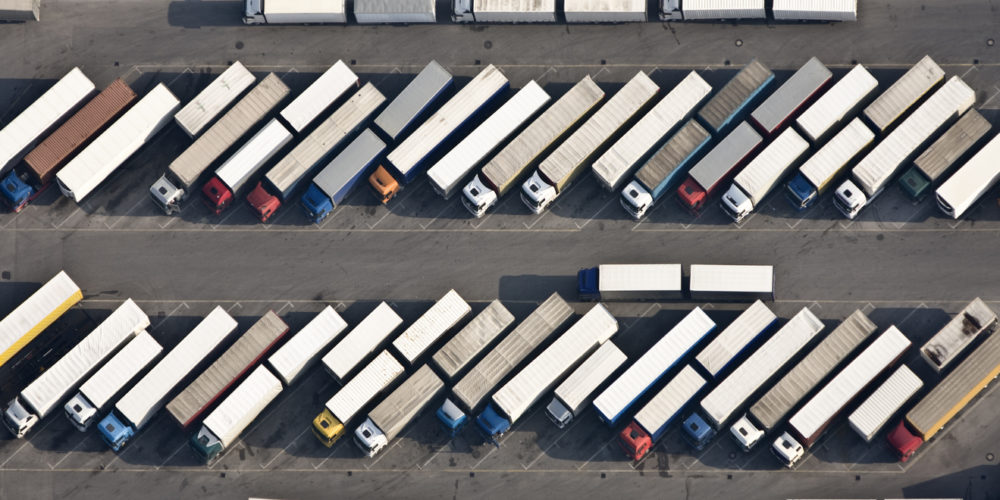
383	184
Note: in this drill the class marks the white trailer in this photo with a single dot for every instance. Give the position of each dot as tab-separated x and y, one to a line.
47	391
876	169
472	339
447	174
298	354
815	10
417	97
397	410
575	393
946	151
504	11
749	325
873	414
36	313
731	282
117	143
367	336
784	102
558	170
316	98
759	177
667	404
332	422
394	11
294	11
971	181
432	325
214	98
20	10
822	168
32	124
224	425
975	320
630	282
108	381
138	406
693	10
605	11
654	363
336	181
843	98
615	165
904	93
220	191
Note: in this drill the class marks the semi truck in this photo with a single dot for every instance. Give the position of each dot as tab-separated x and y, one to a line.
842	100
876	169
397	410
224	425
504	11
418	96
737	337
34	315
827	164
733	99
178	181
662	171
618	397
138	406
614	166
711	10
295	357
771	409
332	422
651	422
713	168
630	282
975	320
560	168
783	104
363	340
808	10
110	379
809	422
406	160
892	104
869	418
505	169
731	282
230	178
294	11
217	96
447	174
971	181
487	374
716	408
32	124
319	95
31	177
605	11
432	325
752	184
117	143
236	361
514	399
943	153
573	396
279	183
472	339
394	11
47	391
337	179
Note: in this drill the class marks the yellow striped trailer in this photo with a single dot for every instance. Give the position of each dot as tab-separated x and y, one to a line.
34	315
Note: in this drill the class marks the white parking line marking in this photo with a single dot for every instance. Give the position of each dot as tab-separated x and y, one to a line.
66	454
232	211
546	450
445	209
182	304
594	455
129	211
13	454
598	212
70	216
178	450
436	453
282	452
333	449
510	432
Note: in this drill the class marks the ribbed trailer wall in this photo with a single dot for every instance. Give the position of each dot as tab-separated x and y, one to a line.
834	105
242	407
394	11
214	98
576	390
781	105
815	10
885	401
298	354
947	344
319	95
947	149
733	98
752	323
668	403
905	92
737	145
441	317
367	384
253	154
667	164
831	160
605	11
367	336
722	282
514	11
971	181
117	372
770	410
409	399
472	339
770	165
723	9
418	95
639	281
36	313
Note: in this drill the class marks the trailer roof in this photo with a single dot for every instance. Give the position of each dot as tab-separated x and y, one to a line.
738	278
672	154
954	337
471	340
347	165
418	94
214	98
36	313
889	397
595	11
724	9
731	98
367	384
816	10
771	164
253	154
720	160
783	102
639	277
301	350
582	383
954	143
404	403
418	9
737	336
905	92
514	6
332	84
441	317
362	340
234	413
835	103
667	403
822	166
130	360
971	180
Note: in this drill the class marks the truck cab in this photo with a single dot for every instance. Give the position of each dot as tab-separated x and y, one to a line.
636	200
587	282
451	417
369	438
800	192
461	11
736	204
316	204
914	183
253	12
80	412
114	432
492	425
691	196
904	442
745	433
558	413
477	197
634	441
536	193
263	203
787	449
18	419
383	184
216	195
327	428
166	195
16	192
697	432
849	199
206	445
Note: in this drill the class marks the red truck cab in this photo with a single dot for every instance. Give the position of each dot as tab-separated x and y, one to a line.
216	195
383	184
903	441
691	196
634	441
264	204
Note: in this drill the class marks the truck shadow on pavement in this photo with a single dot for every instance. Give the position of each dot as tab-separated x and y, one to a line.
200	13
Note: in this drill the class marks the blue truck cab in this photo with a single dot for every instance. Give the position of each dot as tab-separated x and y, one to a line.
453	418
316	204
115	432
492	425
587	283
16	192
800	192
697	432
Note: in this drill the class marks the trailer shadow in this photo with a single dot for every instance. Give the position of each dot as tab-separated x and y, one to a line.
194	14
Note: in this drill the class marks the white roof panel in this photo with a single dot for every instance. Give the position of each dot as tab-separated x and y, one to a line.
367	384
418	94
768	167
124	366
434	323
214	98
869	418
361	341
953	338
473	338
254	154
319	95
395	11
36	313
835	103
721	278
816	10
242	406
667	403
910	87
834	156
639	277
301	350
581	384
740	333
972	179
724	9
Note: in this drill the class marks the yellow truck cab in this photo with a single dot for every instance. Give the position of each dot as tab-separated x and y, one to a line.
327	428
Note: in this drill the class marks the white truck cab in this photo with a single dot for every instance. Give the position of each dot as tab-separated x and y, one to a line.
369	438
787	449
477	197
849	199
253	12
80	412
745	433
736	203
18	419
636	200
536	193
167	195
461	11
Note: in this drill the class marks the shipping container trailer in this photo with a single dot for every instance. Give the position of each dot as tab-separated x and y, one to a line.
946	151
363	340
234	414
504	11
432	325
630	282
319	95
869	418
711	10
827	164
213	99
736	338
337	179
651	422
731	100
733	282
397	410
752	184
418	96
785	102
576	392
605	11
843	100
230	178
975	320
815	10
20	10
892	104
713	168
293	358
970	181
394	11
472	339
664	169
294	11
36	313
332	422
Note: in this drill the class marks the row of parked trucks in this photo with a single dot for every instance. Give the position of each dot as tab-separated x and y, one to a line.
119	370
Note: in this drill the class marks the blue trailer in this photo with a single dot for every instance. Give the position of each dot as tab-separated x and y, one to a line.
630	282
664	169
338	178
726	106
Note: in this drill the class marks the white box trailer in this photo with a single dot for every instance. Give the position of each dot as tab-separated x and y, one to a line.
110	379
869	418
472	339
220	191
293	358
117	143
693	10
397	410
731	282
815	10
970	181
223	90
32	124
506	168
748	326
615	165
843	98
394	11
419	94
877	168
668	403
138	406
752	184
336	181
504	11
605	11
224	425
944	153
295	11
576	392
432	325
35	314
367	336
447	174
47	391
975	320
560	168
652	365
361	389
320	94
630	282
20	10
785	102
823	167
904	93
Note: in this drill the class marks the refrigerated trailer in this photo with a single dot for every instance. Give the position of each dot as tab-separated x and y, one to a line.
417	97
651	422
337	179
331	424
630	282
363	340
943	153
49	390
827	164
20	10
223	90
504	171
732	99
975	320
739	335
575	393
752	184
892	104
842	100
504	11
605	11
869	418
397	410
972	180
35	314
394	11
713	168
293	358
560	168
224	425
230	178
812	10
469	342
662	171
733	282
432	325
711	10
319	95
783	104
294	11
